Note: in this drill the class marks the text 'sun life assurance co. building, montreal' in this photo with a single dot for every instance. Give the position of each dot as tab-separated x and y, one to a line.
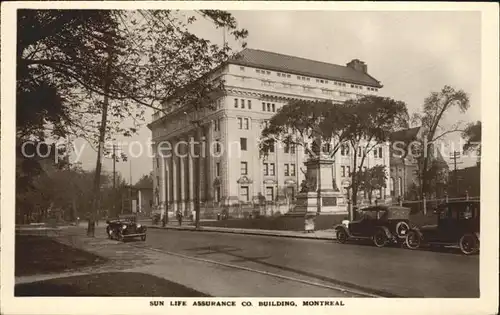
257	84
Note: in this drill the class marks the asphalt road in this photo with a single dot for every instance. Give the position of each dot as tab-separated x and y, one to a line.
384	271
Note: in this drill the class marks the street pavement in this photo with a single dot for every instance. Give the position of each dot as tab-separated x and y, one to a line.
224	264
385	271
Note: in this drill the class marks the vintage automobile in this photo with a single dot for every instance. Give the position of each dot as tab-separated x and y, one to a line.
381	223
125	227
457	224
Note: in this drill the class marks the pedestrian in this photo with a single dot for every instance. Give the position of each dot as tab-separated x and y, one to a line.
179	217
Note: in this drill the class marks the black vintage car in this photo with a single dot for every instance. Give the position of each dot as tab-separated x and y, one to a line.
125	227
457	224
382	224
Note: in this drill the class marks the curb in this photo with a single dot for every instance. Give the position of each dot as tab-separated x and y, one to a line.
243	232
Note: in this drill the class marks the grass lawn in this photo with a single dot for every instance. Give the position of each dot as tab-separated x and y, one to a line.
42	255
107	284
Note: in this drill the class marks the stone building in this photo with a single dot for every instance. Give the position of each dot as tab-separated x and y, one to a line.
257	84
404	181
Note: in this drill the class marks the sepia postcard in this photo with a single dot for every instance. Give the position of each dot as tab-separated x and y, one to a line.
252	157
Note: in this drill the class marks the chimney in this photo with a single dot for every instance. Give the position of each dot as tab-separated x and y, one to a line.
358	65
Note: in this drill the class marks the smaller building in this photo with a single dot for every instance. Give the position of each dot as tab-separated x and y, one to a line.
405	151
465	181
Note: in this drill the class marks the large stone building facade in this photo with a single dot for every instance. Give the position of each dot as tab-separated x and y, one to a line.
233	171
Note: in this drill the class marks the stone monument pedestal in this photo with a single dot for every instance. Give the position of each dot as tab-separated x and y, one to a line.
318	195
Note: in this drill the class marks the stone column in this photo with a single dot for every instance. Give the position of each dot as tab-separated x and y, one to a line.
174	182
182	177
208	163
162	187
190	178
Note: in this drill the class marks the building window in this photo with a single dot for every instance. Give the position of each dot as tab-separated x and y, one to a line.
235	103
268	107
217	194
292	148
269	193
344	150
287	170
244	168
263	106
348	169
271	146
391	185
157	180
343	170
292	169
380	152
274	108
157	163
359	151
217	124
266	169
217	169
240	123
271	169
249	103
243	104
246	123
243	144
217	146
244	196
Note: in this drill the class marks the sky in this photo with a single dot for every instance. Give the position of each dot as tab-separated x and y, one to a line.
411	53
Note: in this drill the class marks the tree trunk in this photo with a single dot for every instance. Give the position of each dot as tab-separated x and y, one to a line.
425	183
354	186
102	134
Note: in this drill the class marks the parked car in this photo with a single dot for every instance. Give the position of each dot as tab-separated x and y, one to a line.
457	224
382	224
125	227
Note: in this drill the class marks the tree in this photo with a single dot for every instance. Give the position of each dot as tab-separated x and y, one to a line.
145	181
360	123
436	105
301	122
372	179
472	136
76	67
371	121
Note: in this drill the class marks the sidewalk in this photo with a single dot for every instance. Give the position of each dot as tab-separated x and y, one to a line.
319	235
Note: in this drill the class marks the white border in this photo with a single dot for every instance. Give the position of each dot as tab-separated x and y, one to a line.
487	304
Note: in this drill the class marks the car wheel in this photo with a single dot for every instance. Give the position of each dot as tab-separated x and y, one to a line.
468	244
402	229
380	238
341	236
120	237
143	238
412	240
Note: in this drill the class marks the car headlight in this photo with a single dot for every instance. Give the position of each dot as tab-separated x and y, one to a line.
138	226
124	226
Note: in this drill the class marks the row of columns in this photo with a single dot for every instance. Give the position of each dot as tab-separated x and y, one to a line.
177	177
